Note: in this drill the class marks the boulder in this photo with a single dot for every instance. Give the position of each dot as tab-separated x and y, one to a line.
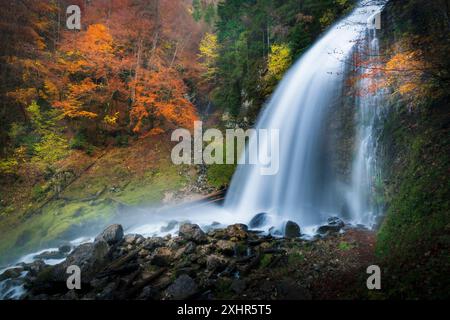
192	232
334	225
258	221
112	235
13	273
216	263
183	288
162	257
187	249
65	249
292	230
237	231
225	247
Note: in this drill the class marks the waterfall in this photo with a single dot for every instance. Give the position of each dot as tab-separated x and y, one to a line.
360	198
306	189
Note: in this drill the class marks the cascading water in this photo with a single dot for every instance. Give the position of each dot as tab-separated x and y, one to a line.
305	189
360	198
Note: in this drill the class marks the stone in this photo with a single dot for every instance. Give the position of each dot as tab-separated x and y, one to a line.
162	257
131	238
50	255
188	249
292	230
112	235
13	273
334	225
65	249
225	247
183	288
216	263
238	231
258	221
192	232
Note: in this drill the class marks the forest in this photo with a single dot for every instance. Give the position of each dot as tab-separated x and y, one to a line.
86	118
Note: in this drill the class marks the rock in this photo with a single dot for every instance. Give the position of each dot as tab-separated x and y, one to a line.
216	263
225	247
100	252
162	257
50	255
258	221
335	221
112	235
238	231
170	226
335	225
183	288
13	273
192	232
189	248
292	230
133	239
153	243
65	249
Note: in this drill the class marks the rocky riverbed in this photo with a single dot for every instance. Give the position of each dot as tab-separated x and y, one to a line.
227	263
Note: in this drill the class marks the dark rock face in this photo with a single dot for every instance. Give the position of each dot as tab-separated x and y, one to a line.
292	230
183	288
258	221
112	234
192	232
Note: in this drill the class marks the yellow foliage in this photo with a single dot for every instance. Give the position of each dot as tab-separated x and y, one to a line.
280	60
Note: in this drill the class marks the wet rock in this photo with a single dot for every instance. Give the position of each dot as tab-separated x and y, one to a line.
50	255
112	235
133	239
258	221
34	268
188	249
192	232
162	257
292	230
334	225
65	249
153	243
237	231
216	263
13	273
183	288
225	247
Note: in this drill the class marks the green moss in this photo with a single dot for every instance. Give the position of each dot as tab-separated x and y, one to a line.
266	260
345	246
413	240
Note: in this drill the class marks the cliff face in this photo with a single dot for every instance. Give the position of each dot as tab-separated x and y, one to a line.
414	239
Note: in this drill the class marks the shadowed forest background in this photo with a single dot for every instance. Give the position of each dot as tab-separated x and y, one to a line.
86	115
